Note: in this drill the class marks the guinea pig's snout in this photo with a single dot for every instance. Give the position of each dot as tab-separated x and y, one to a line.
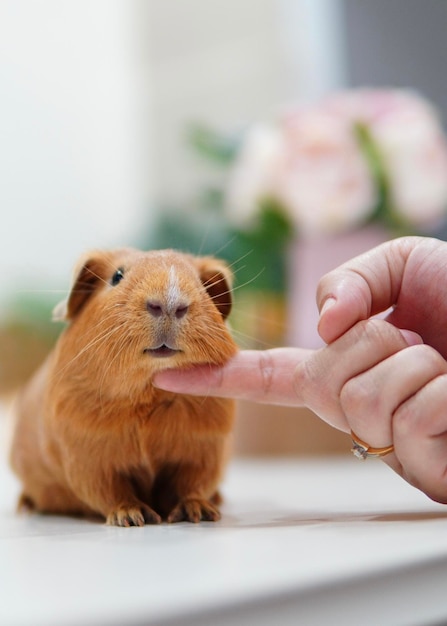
161	309
166	325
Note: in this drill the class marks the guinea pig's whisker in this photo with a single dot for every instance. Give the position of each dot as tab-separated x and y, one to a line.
243	314
214	280
110	320
118	349
225	245
98	325
238	269
113	268
204	237
238	260
63	291
248	282
100	338
231	291
246	341
98	276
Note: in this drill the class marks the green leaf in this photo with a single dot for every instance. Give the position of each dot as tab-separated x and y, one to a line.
384	212
212	146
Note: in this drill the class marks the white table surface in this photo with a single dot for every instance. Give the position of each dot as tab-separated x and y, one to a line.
301	542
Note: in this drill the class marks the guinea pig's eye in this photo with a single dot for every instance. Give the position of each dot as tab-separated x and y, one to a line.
117	277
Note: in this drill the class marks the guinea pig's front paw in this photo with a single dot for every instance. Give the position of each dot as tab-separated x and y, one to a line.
133	516
25	504
194	510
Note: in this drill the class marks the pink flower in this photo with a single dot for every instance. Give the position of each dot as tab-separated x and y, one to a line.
324	180
408	134
312	162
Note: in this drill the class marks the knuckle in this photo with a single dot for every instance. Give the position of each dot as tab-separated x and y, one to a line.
402	416
308	372
430	359
302	377
412	417
357	397
307	377
382	336
266	369
379	332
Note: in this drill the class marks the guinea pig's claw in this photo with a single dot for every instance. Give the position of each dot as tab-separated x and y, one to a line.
194	510
25	504
133	516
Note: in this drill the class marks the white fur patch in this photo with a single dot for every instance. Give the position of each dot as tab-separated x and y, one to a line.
173	293
60	311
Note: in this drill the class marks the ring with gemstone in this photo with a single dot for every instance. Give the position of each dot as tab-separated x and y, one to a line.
363	450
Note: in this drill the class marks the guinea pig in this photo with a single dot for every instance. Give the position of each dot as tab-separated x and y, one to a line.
92	434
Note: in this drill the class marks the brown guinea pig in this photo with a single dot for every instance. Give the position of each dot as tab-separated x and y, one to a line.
93	435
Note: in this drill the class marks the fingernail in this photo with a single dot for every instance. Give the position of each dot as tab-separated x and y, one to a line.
412	338
328	303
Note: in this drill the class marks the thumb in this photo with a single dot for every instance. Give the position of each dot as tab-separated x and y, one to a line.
362	287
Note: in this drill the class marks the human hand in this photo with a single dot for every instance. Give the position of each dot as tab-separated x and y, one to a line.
401	399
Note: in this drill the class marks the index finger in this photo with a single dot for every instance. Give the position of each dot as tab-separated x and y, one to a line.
265	376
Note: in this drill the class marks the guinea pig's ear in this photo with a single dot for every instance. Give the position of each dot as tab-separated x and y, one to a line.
90	273
217	280
60	311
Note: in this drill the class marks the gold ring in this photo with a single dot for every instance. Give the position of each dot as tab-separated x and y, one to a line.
363	450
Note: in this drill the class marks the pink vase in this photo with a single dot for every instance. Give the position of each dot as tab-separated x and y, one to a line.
309	260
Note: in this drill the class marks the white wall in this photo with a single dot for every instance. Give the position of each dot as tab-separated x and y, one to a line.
221	65
72	154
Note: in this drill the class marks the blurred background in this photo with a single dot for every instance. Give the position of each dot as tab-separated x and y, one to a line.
283	135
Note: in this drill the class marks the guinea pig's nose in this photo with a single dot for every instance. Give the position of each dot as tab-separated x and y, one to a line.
159	309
